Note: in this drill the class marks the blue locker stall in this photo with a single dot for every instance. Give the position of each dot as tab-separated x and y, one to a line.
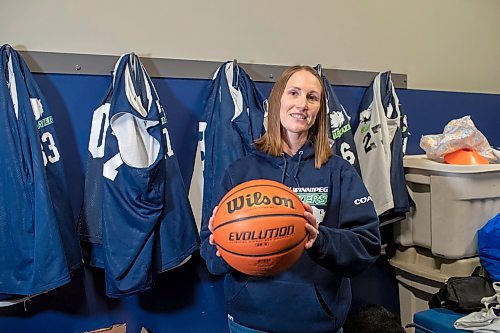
188	298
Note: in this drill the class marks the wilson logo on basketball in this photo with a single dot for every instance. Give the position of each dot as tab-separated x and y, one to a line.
262	234
256	199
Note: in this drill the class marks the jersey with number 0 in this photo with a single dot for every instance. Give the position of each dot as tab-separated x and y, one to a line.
380	139
339	124
38	240
136	213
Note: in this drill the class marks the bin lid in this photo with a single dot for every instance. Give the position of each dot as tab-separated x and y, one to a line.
422	162
421	262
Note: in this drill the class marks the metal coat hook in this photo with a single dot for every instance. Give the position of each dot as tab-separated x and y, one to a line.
319	69
236	72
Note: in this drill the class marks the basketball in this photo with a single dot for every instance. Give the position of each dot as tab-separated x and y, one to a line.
259	227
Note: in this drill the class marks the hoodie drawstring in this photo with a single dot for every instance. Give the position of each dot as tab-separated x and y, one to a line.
297	169
284	169
285	164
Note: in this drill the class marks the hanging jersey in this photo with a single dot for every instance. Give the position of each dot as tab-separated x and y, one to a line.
379	142
400	195
233	119
136	213
38	241
339	124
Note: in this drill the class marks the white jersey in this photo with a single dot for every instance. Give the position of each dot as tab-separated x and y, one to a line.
379	122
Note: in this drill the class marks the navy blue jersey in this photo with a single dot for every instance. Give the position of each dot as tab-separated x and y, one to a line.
401	197
339	124
38	240
136	213
233	119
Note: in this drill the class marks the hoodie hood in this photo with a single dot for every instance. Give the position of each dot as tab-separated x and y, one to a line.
290	166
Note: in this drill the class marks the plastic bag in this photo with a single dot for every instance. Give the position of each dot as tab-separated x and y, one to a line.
458	134
488	239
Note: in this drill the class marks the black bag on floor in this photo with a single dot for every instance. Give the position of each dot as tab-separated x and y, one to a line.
464	294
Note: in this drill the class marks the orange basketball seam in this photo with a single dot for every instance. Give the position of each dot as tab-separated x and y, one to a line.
257	216
286	188
265	254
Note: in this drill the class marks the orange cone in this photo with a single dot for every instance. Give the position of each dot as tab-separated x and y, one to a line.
465	157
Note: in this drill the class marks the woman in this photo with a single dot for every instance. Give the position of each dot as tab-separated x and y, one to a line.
314	294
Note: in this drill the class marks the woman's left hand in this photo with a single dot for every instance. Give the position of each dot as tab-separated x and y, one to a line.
311	226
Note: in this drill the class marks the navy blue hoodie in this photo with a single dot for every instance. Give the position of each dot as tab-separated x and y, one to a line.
313	295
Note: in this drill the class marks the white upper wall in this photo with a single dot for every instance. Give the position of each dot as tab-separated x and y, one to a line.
451	45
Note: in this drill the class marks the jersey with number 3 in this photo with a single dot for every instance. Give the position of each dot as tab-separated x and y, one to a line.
136	214
38	239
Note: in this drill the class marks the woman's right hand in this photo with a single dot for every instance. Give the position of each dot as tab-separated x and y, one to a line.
311	226
211	228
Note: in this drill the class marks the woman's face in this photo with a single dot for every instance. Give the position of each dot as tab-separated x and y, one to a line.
300	103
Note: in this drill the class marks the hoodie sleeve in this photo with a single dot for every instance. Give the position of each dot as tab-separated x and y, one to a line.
215	264
355	244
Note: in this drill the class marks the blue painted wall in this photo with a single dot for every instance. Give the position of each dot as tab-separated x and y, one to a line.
189	299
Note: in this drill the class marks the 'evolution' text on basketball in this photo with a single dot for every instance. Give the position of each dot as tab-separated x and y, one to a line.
262	234
256	199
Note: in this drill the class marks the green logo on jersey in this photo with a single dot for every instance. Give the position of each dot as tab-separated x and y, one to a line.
340	131
45	122
365	128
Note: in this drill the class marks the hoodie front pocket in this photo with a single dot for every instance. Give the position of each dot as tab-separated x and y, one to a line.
290	304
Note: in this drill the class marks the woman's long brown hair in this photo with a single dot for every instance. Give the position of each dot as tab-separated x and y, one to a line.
272	141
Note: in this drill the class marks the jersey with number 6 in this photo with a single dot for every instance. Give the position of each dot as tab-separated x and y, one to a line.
136	214
339	125
38	240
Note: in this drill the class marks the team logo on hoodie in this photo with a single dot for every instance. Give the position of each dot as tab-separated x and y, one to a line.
317	197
